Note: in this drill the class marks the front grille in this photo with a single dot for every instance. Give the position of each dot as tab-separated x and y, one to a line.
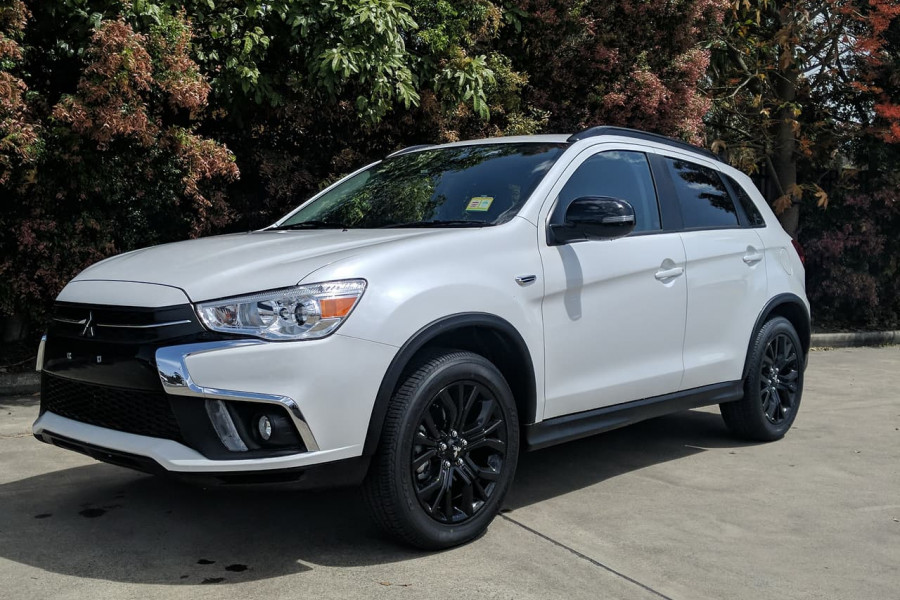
132	411
123	325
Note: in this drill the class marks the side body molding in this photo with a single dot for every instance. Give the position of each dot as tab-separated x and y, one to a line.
427	334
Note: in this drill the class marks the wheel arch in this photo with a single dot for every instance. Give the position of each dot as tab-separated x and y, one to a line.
488	335
792	308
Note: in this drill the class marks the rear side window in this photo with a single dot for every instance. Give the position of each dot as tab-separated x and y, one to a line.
703	197
618	174
754	217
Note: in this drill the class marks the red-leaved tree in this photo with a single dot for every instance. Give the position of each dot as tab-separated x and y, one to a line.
634	63
121	164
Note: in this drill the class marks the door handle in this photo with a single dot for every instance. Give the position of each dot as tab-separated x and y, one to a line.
667	274
753	256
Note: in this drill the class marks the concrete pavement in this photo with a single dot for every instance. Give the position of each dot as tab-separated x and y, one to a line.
671	508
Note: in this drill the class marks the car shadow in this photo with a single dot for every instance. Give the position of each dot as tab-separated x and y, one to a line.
558	470
103	522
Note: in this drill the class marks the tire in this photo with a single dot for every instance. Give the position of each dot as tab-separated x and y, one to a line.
456	485
773	386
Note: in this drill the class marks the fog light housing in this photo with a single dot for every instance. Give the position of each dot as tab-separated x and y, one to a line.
264	427
253	426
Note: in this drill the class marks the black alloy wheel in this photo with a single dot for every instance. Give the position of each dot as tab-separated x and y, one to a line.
448	451
459	451
779	373
773	385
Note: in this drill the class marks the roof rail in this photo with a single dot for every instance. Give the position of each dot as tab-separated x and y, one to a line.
409	149
640	135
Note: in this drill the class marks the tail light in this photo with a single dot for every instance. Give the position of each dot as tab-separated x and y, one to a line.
799	250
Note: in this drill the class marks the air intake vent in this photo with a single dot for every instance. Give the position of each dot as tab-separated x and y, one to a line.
132	411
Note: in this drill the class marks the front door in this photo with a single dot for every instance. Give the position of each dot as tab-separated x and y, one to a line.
614	311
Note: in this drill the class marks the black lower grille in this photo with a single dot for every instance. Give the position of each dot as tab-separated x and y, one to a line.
133	411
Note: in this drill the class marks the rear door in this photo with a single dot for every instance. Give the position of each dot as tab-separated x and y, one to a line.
725	271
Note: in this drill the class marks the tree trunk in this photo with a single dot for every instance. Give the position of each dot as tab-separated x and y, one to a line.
784	160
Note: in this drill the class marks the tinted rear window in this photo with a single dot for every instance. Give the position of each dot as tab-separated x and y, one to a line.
754	217
705	201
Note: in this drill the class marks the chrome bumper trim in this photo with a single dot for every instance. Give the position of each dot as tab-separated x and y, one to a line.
171	363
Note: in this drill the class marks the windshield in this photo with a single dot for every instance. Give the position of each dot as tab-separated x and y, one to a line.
463	186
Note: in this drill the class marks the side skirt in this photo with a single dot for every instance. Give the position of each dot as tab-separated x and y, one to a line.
576	426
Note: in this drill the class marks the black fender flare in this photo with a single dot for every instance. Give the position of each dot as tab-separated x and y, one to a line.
774	303
422	337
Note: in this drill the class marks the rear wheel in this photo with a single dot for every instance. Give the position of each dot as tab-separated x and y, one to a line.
447	454
773	387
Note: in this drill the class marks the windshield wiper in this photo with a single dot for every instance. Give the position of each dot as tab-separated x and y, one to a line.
444	223
312	225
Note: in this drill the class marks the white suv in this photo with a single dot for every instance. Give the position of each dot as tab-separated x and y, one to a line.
418	323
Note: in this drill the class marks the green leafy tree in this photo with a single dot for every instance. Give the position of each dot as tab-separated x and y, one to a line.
791	84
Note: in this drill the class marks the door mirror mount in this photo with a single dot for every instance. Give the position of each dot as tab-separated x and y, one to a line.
591	218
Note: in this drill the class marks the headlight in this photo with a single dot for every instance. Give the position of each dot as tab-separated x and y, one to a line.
298	313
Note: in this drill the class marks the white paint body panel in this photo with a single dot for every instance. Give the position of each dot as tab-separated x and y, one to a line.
613	332
122	293
600	328
240	263
725	296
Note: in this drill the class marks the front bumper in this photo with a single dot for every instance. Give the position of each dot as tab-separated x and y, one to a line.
171	363
327	387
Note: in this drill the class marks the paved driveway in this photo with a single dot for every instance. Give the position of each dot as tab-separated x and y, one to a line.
671	508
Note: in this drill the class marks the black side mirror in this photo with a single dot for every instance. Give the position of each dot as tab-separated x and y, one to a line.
593	218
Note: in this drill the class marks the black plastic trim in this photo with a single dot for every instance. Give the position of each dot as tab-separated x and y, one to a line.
198	432
339	473
114	457
567	428
641	135
418	341
771	305
669	204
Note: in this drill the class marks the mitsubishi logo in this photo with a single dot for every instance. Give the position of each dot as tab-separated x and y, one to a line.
88	330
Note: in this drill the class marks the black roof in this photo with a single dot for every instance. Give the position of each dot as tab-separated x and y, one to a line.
640	135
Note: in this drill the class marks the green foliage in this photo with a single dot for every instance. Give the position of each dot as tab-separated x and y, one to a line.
121	164
135	137
463	80
368	52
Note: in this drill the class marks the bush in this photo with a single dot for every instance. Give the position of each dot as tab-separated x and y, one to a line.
852	254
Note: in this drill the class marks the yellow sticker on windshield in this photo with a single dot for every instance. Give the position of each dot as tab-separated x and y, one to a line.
479	203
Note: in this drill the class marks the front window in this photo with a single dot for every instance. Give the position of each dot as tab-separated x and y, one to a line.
462	186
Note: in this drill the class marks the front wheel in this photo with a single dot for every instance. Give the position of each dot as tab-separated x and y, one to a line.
447	454
773	386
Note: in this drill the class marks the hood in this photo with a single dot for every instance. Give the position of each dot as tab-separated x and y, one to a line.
229	265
